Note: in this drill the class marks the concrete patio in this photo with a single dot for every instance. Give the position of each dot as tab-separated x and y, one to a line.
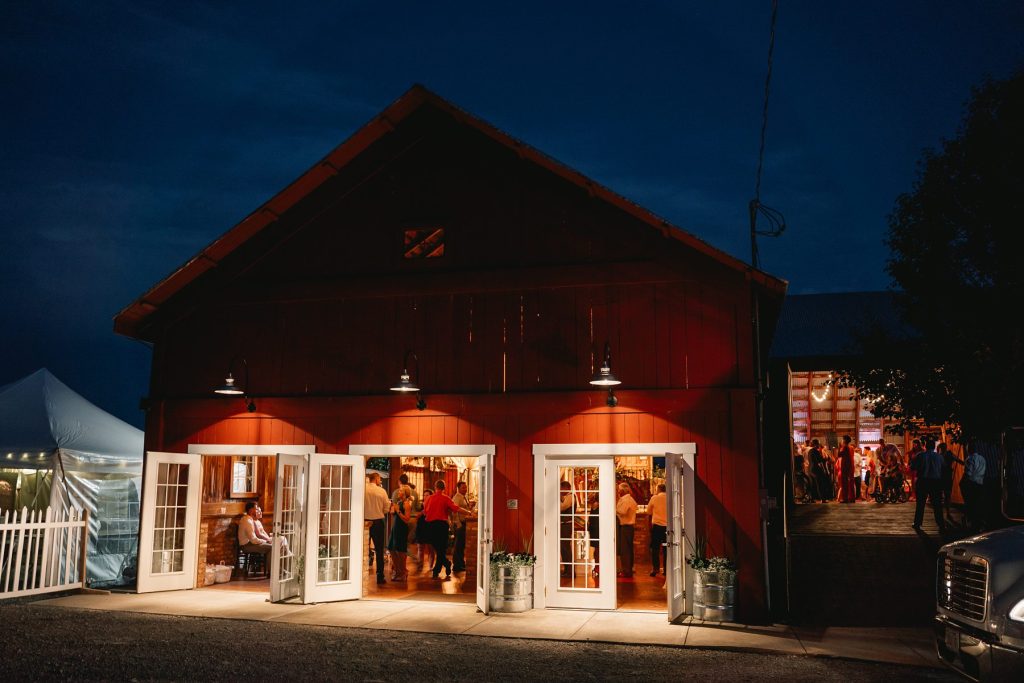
910	646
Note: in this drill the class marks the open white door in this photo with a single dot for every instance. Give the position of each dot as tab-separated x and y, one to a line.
485	526
674	559
289	527
679	486
168	549
334	528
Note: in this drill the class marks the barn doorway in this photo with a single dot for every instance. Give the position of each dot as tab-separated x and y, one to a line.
465	471
607	514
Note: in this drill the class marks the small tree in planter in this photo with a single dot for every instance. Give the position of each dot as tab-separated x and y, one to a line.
714	586
511	587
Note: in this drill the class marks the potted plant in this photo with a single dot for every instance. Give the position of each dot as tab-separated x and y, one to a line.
511	587
714	584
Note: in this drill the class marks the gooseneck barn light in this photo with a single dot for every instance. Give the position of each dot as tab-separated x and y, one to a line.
405	384
230	388
604	377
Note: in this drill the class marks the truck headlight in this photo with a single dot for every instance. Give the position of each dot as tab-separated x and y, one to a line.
1017	613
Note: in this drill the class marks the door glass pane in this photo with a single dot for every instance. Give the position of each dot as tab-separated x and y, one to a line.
169	518
579	527
334	551
480	528
289	521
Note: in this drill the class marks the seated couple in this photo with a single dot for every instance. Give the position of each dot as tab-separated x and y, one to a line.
252	537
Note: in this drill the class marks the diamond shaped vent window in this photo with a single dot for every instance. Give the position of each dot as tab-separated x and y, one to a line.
424	243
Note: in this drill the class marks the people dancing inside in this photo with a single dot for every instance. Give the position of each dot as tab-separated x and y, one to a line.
398	544
436	511
847	489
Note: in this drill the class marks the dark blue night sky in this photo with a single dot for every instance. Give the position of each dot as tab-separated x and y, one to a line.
135	133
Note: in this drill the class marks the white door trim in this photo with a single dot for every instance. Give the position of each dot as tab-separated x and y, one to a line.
543	451
420	450
243	449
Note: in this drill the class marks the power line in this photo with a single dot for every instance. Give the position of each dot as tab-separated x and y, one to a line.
774	218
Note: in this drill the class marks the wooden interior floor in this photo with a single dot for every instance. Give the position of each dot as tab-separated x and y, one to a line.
261	585
642	591
421	584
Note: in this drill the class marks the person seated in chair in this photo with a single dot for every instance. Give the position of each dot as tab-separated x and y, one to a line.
252	537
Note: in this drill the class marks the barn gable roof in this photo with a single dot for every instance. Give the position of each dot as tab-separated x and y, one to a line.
132	318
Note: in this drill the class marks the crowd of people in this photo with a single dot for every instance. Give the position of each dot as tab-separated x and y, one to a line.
625	527
426	522
848	474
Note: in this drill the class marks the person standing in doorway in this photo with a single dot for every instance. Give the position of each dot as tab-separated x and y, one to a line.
860	465
399	542
972	486
928	468
822	489
594	531
421	534
625	511
435	512
915	450
376	505
403	480
459	524
566	514
847	490
659	522
947	475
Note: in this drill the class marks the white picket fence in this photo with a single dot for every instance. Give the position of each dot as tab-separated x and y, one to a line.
43	551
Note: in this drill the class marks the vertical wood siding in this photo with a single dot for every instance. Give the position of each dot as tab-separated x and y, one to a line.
720	422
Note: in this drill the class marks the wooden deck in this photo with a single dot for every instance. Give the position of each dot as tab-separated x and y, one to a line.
866	519
863	564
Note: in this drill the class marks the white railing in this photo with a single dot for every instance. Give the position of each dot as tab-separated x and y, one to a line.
43	551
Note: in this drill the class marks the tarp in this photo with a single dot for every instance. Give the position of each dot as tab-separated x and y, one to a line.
59	450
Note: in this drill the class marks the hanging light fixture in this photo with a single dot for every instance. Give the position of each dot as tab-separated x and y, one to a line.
604	377
230	388
405	384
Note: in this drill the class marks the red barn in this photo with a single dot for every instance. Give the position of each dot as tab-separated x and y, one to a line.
502	281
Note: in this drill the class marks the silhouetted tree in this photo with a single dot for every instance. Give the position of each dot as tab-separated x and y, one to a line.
957	240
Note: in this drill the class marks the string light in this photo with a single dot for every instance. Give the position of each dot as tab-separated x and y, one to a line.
824	394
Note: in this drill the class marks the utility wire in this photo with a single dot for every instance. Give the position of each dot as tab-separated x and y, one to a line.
776	221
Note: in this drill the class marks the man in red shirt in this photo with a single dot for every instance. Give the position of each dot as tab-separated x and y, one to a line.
435	512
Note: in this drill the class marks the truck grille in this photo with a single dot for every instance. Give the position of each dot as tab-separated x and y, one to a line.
963	586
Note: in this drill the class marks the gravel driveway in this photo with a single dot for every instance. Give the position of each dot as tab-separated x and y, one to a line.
56	643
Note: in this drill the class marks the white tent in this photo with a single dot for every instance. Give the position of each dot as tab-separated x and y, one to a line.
59	450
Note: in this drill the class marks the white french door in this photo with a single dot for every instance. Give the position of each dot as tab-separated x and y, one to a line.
289	528
169	525
334	533
674	560
579	532
679	487
485	530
